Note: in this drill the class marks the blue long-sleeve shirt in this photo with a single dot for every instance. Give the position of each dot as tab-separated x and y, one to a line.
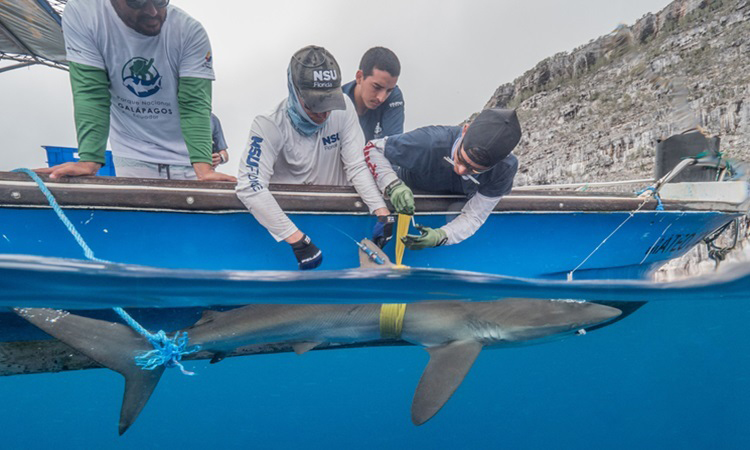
420	157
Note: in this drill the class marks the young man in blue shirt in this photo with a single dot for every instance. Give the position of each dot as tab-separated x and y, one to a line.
377	99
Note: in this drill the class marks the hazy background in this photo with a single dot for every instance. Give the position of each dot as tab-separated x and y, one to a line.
453	56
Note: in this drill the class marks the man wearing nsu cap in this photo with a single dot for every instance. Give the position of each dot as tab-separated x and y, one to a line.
312	137
474	160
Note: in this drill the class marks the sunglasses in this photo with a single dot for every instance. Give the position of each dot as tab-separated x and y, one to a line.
138	4
468	165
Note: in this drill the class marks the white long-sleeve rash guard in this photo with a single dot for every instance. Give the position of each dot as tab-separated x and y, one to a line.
277	153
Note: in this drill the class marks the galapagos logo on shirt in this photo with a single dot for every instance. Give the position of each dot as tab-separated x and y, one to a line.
141	77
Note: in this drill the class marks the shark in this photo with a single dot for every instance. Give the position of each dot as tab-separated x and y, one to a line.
452	332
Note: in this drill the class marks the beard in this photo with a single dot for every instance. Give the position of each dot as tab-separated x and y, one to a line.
149	25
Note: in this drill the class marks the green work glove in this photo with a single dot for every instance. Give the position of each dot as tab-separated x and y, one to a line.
401	197
429	237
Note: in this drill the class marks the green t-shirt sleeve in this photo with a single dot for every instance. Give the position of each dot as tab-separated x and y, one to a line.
194	100
91	102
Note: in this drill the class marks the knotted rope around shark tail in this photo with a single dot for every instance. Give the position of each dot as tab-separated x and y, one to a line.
167	351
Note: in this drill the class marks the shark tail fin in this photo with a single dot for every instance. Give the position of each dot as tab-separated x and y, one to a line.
447	368
108	343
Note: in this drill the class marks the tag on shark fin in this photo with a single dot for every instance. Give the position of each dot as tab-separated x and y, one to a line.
447	368
304	347
369	260
110	344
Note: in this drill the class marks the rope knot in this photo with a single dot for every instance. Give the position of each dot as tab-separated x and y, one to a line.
654	194
167	352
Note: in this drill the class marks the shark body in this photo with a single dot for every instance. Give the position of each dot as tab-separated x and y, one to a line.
453	333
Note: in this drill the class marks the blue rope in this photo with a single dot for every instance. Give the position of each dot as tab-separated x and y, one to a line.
63	218
659	204
167	351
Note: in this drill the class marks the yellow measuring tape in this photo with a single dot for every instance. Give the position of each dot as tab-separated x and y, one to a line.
401	229
392	320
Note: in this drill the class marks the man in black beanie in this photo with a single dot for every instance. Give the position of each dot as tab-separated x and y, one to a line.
474	160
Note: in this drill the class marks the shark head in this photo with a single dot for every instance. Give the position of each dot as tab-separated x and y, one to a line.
519	320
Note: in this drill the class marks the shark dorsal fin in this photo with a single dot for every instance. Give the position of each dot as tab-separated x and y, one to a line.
304	347
110	344
447	368
208	316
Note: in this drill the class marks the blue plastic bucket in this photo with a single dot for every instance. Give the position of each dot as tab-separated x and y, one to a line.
59	155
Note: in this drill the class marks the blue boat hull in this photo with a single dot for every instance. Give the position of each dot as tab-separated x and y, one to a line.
524	244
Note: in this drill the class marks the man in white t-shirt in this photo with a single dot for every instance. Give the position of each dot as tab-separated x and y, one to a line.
312	137
141	74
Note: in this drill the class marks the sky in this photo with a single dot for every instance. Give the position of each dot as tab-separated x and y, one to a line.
453	54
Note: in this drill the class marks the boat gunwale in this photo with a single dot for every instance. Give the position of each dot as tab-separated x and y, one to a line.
18	191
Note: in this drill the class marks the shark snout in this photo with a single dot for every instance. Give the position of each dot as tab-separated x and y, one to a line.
596	313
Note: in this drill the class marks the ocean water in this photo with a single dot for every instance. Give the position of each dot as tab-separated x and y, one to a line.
674	374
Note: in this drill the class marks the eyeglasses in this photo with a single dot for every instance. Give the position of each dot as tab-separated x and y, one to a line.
467	164
138	4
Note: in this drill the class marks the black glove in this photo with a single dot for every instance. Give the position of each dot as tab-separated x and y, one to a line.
308	254
382	232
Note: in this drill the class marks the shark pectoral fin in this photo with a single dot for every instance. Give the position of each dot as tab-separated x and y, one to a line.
447	368
110	344
304	347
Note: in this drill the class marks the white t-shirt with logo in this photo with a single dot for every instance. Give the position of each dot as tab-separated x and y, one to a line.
143	73
277	153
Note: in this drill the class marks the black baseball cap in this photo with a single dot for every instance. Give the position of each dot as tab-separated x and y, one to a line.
492	136
317	78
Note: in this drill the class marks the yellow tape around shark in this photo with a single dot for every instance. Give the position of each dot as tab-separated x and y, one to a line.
392	320
401	229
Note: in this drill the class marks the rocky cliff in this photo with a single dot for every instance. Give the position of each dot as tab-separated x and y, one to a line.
596	113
